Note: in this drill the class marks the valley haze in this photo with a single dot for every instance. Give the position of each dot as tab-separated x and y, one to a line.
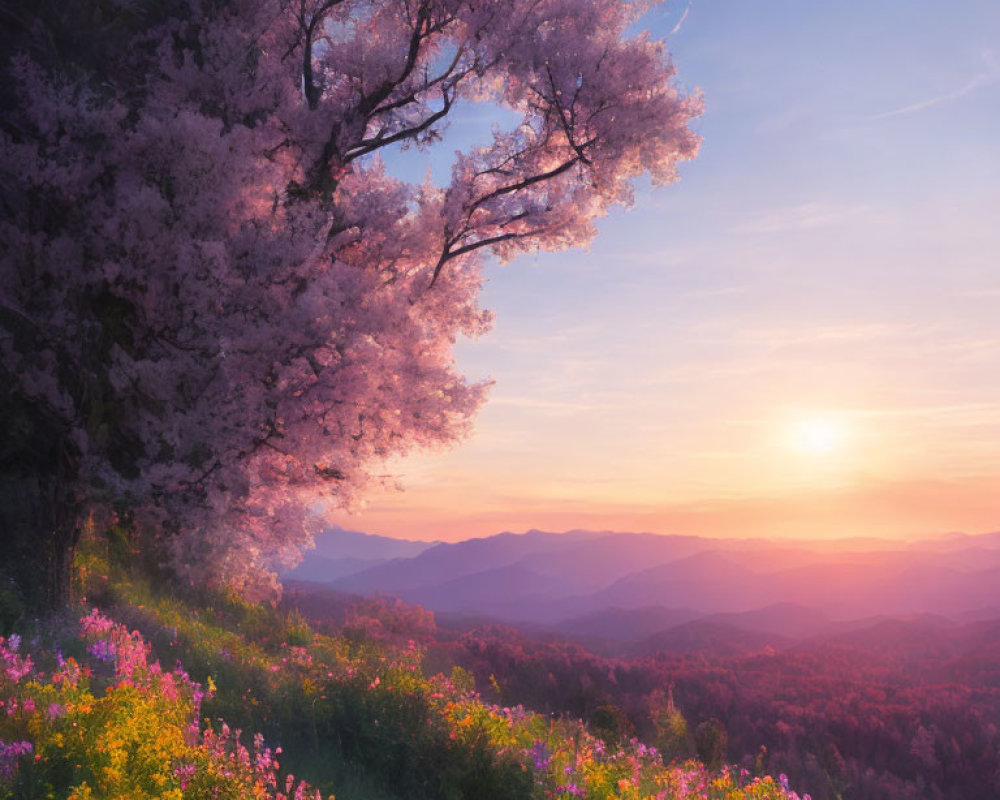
626	589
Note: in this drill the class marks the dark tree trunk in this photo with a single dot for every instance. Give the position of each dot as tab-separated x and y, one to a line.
64	526
40	513
39	529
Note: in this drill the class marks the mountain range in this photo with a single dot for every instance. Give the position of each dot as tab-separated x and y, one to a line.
649	590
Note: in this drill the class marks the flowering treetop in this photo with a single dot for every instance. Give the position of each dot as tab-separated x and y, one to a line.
218	304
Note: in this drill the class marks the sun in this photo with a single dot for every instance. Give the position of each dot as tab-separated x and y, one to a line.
818	435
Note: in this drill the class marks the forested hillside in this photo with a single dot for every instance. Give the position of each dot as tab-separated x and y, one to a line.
879	709
140	693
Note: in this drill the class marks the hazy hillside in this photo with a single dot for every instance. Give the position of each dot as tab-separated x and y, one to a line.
339	553
616	625
446	562
342	543
707	635
841	706
564	580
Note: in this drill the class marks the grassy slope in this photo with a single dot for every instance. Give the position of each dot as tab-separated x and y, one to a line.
352	716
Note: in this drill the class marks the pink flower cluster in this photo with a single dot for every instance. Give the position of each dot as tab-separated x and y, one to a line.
260	763
96	624
114	643
15	665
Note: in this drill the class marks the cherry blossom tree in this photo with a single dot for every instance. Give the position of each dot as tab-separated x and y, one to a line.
217	304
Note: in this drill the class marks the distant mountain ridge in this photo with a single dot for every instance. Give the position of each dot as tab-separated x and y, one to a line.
339	552
630	587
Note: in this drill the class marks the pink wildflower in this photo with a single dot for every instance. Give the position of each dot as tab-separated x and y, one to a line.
96	624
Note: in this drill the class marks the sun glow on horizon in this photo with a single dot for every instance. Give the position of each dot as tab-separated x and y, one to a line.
818	435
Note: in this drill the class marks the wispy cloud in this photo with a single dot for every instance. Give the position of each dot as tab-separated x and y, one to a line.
979	413
551	406
868	332
680	22
804	216
989	75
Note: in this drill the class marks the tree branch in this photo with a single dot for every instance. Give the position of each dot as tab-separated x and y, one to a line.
523	184
578	149
366	146
448	255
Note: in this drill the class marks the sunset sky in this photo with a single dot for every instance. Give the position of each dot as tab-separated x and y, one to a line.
802	337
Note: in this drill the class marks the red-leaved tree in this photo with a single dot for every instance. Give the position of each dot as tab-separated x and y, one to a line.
216	304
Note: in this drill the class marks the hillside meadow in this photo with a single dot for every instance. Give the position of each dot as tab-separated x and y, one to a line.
138	692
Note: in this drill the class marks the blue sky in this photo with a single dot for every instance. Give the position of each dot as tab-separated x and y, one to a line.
829	260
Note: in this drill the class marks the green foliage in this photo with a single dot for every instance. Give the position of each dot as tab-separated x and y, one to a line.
612	725
672	738
711	743
297	631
